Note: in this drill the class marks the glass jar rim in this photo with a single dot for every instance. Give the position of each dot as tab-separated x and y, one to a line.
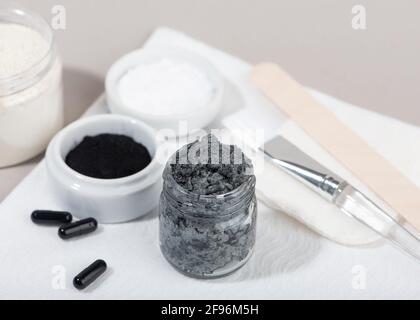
13	13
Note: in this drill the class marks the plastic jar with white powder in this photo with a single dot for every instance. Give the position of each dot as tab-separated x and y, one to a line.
166	88
31	94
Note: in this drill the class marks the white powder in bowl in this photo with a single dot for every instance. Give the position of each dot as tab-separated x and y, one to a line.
20	49
31	104
165	87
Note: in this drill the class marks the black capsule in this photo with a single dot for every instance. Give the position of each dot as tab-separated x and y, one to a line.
90	274
51	217
77	228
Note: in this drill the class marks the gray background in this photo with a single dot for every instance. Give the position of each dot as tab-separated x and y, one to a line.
376	68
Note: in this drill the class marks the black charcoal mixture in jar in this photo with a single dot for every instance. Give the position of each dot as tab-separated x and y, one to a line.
208	209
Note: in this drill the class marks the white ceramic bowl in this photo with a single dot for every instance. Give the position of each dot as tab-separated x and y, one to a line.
196	119
109	201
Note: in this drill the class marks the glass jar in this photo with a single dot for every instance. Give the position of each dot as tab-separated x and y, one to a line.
31	99
207	236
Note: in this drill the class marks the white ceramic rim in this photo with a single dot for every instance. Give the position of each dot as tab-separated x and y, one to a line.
122	65
72	130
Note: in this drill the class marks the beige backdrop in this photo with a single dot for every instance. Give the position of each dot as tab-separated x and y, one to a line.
376	68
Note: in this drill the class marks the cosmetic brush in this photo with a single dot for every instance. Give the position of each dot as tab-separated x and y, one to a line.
290	159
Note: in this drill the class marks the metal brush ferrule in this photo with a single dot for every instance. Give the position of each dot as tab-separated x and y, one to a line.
298	164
